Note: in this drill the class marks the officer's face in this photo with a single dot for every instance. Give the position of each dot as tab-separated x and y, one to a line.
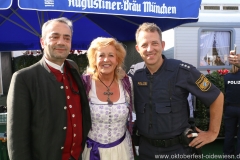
150	47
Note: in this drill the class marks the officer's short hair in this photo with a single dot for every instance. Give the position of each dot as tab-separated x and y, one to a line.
149	27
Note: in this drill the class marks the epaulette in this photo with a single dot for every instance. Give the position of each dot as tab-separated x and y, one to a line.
185	66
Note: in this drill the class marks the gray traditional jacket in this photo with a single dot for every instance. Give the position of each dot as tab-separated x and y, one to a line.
37	114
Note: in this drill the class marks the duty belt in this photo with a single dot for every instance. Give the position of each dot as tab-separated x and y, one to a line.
164	142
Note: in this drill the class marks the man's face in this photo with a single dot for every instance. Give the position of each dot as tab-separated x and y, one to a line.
57	42
150	47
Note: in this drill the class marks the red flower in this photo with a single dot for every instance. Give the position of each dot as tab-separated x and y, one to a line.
208	71
225	71
219	71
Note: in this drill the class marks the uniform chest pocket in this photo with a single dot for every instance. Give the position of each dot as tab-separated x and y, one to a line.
169	117
162	118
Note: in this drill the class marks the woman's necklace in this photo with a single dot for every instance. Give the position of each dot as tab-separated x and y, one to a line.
108	93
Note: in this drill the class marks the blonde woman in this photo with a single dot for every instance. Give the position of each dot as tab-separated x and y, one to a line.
110	98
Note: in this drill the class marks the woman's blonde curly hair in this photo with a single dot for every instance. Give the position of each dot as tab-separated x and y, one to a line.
103	42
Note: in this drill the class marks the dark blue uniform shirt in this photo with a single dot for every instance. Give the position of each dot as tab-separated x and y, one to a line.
161	98
232	88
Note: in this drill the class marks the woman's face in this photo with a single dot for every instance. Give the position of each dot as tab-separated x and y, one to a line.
106	59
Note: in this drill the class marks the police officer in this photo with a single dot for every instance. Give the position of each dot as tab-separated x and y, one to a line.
232	112
161	88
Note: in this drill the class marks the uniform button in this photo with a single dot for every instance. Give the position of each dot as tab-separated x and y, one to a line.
66	87
64	128
68	97
73	115
70	106
71	151
74	125
74	135
73	144
62	148
61	87
65	107
63	77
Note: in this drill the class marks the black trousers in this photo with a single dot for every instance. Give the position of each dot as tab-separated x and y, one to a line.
179	151
231	121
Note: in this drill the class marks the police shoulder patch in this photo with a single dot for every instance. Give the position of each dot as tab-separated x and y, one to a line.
203	83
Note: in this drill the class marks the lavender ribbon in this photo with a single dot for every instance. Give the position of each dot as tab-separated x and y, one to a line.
94	153
127	86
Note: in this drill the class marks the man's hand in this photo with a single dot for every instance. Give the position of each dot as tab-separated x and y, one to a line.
202	138
234	58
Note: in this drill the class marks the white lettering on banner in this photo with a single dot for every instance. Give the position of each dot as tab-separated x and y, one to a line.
233	82
125	5
131	6
152	7
49	3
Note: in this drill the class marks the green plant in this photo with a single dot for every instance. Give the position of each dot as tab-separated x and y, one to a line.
25	61
81	60
28	60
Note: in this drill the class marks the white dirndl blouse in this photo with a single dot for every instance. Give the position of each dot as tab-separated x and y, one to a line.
108	125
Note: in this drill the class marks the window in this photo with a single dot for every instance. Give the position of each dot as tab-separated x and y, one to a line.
230	7
214	48
211	7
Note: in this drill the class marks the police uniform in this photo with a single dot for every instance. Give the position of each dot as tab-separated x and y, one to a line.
161	105
232	113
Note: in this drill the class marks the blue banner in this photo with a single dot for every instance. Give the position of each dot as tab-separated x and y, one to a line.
141	8
5	4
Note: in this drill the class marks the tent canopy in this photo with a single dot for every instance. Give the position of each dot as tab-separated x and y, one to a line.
20	25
